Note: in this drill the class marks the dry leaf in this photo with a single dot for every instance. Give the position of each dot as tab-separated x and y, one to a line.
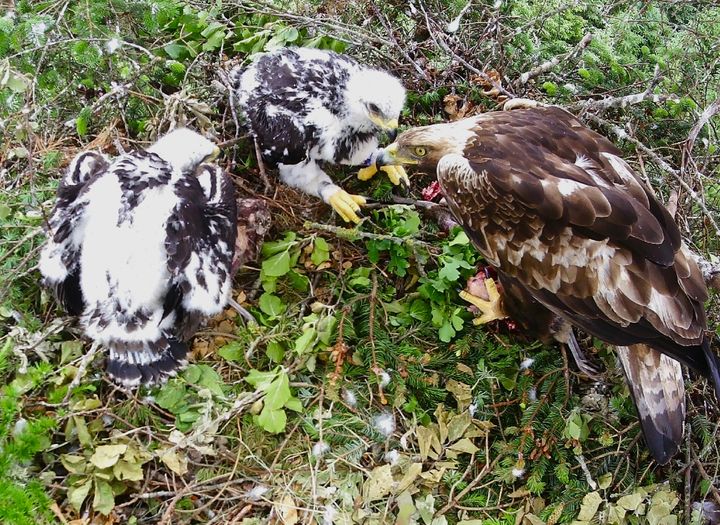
287	510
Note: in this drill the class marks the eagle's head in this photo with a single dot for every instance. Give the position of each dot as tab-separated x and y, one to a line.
185	149
376	99
425	146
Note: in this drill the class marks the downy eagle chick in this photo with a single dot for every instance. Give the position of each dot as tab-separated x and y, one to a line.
308	106
140	248
562	217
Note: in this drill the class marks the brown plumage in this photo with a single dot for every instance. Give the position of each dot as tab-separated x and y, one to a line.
553	206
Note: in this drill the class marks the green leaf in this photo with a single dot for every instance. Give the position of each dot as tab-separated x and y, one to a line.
107	455
277	265
294	404
273	247
449	270
18	83
104	500
460	239
210	379
260	380
5	212
82	431
306	341
74	463
81	122
175	50
272	421
446	332
171	395
278	392
321	251
232	351
297	280
275	351
271	304
175	460
77	493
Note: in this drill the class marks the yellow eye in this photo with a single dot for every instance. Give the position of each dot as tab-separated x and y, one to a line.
420	151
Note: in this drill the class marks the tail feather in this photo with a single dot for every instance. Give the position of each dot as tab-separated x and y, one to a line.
146	363
658	389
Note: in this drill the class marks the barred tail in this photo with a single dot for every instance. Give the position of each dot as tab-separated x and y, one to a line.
657	387
146	363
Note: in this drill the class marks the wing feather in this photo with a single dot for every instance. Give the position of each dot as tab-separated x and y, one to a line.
60	257
201	240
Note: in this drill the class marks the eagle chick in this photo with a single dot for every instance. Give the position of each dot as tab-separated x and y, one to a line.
308	106
140	247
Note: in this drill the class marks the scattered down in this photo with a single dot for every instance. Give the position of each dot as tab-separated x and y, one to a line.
306	107
553	206
140	248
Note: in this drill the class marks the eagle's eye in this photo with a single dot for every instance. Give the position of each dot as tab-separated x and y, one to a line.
373	108
420	151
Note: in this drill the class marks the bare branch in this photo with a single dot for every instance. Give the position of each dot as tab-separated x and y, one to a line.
547	66
705	116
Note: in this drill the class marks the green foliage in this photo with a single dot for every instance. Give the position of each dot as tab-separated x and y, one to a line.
275	386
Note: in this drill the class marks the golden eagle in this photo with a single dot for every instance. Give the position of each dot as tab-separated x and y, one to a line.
554	207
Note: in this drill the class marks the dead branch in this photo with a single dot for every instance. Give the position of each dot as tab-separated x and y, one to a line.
620	102
705	116
547	66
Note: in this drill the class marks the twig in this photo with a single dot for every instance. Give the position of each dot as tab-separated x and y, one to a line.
261	166
371	335
232	142
705	116
450	504
619	102
81	369
437	38
388	29
352	234
547	66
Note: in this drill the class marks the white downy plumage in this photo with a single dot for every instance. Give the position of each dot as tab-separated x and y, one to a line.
140	248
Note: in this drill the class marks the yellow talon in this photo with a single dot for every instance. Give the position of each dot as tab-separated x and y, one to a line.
346	205
396	174
491	308
367	173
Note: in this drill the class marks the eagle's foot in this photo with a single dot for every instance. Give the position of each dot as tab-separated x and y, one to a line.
368	172
346	205
490	308
396	174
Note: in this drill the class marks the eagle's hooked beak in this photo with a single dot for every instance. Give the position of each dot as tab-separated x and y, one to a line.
388	126
214	155
387	156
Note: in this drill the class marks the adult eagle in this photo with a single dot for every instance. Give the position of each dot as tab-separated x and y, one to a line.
307	106
553	206
140	247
